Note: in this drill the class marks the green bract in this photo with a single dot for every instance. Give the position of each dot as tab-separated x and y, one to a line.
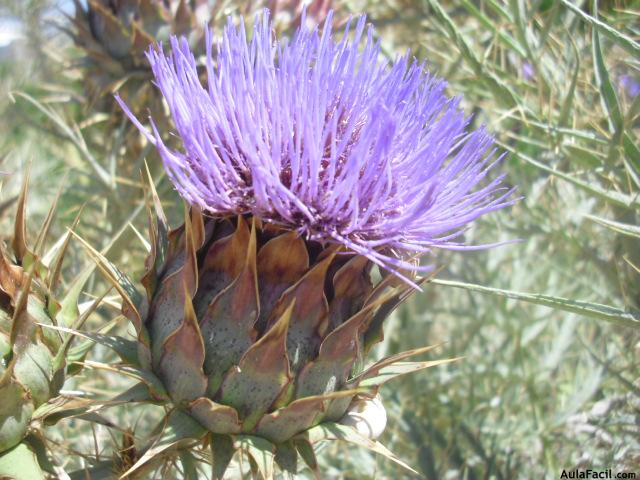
258	337
34	356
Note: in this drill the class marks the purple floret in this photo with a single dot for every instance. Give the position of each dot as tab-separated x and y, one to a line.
323	137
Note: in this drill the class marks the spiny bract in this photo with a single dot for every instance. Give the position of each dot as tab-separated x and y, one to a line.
34	356
260	335
114	35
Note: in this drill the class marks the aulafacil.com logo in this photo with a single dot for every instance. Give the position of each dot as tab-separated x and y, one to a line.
595	474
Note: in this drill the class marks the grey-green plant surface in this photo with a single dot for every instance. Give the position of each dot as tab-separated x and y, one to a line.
547	328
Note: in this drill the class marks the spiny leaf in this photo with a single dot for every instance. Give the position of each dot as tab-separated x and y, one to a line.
182	19
155	385
138	393
613	196
60	358
69	310
334	431
502	92
569	97
587	309
61	407
287	459
306	451
57	254
72	134
222	451
140	40
261	450
126	349
490	24
607	92
130	296
621	39
376	367
159	236
67	407
19	241
179	427
38	248
374	379
624	228
111	21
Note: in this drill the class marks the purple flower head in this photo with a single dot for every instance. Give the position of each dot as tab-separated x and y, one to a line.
322	137
528	71
630	84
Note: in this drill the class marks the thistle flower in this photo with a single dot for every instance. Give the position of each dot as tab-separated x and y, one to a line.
305	164
322	138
